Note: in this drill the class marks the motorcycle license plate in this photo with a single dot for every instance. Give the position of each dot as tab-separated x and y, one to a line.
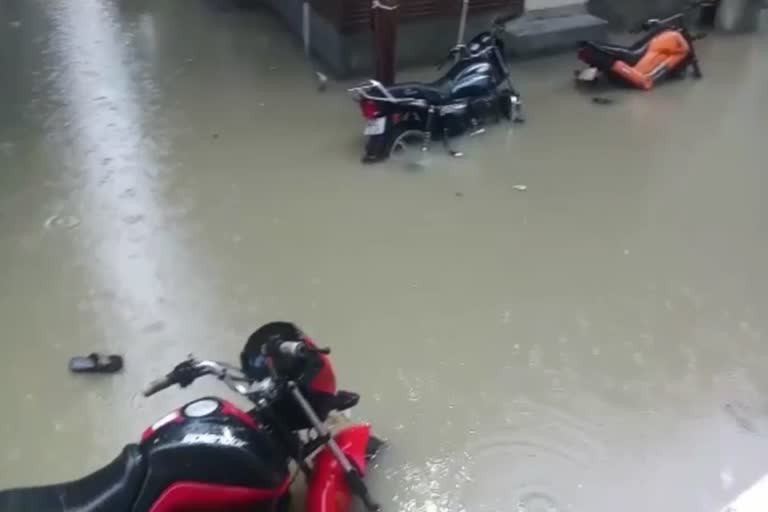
375	126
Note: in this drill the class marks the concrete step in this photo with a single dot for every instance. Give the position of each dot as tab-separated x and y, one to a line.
539	33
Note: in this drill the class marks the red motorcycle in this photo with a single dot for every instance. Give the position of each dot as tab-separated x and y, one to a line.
212	456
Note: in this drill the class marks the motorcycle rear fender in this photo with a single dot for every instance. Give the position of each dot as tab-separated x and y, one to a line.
328	490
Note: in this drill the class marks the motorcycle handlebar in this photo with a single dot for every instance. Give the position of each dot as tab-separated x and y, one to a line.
188	371
678	18
185	373
299	349
158	385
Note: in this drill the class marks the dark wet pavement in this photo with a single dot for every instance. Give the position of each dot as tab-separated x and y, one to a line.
170	179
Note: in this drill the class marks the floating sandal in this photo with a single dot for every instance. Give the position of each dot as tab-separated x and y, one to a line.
96	363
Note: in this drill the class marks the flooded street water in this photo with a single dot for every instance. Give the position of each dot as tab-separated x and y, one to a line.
170	179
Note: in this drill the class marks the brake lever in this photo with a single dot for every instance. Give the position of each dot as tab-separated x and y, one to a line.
186	372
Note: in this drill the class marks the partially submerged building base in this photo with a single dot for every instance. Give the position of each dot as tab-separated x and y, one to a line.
342	39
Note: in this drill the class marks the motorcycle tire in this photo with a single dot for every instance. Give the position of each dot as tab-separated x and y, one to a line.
404	137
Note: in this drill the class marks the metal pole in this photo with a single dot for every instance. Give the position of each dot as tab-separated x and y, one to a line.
384	15
319	77
305	26
463	22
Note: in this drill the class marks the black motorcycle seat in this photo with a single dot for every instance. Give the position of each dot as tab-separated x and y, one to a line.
629	54
112	488
436	93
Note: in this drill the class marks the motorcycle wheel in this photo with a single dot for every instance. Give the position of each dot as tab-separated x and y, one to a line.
407	145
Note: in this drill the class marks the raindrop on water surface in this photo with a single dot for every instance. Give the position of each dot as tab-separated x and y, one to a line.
62	222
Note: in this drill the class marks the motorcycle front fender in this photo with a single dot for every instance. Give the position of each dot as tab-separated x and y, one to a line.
328	489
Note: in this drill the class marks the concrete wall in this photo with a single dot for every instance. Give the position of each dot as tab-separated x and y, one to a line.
419	43
739	15
547	26
532	5
628	13
345	55
327	44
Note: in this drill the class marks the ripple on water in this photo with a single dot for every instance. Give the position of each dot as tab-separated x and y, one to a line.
540	459
535	501
62	222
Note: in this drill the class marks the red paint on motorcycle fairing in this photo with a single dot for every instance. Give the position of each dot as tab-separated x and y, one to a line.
328	491
174	417
231	409
197	497
325	380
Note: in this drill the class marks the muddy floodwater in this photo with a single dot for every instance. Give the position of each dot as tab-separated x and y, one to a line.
570	319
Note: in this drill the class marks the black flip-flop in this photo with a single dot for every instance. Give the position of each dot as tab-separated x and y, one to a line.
96	363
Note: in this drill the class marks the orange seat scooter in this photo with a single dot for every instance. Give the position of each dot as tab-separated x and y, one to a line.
666	50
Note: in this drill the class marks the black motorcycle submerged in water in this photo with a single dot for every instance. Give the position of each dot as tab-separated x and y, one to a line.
211	456
476	89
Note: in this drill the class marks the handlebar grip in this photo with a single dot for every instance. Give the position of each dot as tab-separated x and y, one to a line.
294	349
157	385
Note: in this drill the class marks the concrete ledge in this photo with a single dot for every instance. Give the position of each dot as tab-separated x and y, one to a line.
628	13
422	42
539	33
425	42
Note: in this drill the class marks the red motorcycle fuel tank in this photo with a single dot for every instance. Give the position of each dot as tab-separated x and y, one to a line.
209	455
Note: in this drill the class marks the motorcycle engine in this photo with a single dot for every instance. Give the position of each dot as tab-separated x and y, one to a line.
483	109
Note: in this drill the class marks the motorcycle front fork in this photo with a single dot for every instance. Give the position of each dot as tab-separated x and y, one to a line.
352	474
